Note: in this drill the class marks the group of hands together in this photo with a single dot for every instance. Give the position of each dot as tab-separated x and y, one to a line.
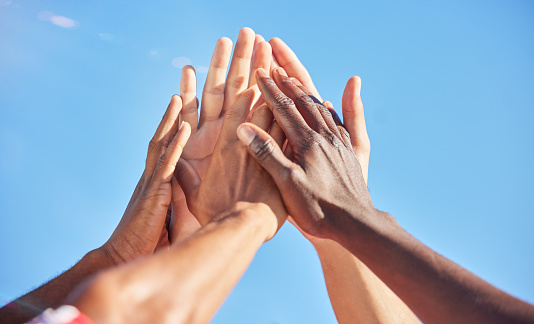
263	139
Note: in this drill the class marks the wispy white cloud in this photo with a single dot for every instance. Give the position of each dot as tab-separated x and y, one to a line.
60	21
5	3
153	52
180	62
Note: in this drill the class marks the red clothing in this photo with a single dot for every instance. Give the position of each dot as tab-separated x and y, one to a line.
65	314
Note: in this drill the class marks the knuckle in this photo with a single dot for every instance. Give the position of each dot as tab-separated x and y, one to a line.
217	90
283	102
238	82
152	145
262	149
304	99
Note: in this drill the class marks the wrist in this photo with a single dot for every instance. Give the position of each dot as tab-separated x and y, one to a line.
357	228
255	215
106	256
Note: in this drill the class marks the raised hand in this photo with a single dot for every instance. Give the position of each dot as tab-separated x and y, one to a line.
234	177
143	227
325	176
251	52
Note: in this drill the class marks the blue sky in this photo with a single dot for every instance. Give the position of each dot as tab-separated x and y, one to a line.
448	95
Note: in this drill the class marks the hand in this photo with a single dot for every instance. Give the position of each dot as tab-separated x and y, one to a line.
352	108
143	227
233	176
216	98
325	179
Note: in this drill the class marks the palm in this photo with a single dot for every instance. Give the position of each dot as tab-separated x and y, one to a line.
200	147
219	93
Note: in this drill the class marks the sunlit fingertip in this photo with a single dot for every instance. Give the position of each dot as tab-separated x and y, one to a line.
224	42
246	32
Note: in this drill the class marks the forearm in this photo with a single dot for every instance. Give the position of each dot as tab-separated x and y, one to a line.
188	282
54	292
356	293
435	288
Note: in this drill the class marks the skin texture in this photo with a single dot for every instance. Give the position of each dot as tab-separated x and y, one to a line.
435	288
219	93
227	179
186	283
357	295
141	231
239	207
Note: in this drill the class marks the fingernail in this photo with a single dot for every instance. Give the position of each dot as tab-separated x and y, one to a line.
280	71
181	125
328	104
246	134
296	82
262	73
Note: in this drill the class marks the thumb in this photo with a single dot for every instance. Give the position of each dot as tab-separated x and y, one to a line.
188	179
266	152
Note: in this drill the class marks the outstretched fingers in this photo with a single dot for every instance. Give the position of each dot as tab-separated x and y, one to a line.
167	162
188	92
213	92
354	121
262	59
287	59
238	75
164	134
283	108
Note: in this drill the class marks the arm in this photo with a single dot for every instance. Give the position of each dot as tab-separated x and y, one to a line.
329	199
188	282
141	230
356	293
52	293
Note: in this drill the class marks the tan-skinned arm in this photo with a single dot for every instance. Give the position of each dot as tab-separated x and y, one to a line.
188	282
357	295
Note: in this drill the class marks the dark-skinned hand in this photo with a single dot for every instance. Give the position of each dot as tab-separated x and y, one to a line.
322	183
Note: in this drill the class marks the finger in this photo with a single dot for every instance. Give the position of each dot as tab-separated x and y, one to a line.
328	114
239	72
262	59
288	60
266	152
277	134
237	114
167	162
262	117
305	105
354	120
188	92
283	108
213	93
258	39
164	133
353	117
